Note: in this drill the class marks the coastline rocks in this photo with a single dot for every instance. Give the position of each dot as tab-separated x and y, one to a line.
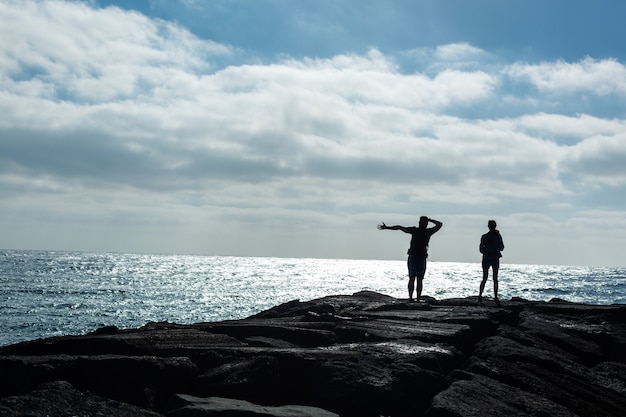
62	399
365	354
213	406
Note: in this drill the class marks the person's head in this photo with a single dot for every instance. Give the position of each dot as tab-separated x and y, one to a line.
491	224
423	221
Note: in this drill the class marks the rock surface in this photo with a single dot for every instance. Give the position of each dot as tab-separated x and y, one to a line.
361	355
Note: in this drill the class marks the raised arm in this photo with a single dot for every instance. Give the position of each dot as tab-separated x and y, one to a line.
383	226
437	223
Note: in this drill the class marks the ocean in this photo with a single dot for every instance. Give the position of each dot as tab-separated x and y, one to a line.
51	293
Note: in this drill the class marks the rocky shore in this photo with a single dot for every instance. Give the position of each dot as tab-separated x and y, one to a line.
362	355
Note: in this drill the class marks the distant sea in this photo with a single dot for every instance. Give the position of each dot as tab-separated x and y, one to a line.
48	293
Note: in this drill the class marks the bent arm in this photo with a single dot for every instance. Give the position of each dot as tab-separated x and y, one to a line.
481	246
437	223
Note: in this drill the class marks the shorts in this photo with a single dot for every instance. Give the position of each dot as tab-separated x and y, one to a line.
417	266
491	262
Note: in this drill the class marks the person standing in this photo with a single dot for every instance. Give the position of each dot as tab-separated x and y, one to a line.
418	251
491	246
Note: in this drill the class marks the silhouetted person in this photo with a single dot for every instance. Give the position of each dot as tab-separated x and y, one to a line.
491	245
418	251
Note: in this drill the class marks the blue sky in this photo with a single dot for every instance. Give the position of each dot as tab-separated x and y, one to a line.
291	128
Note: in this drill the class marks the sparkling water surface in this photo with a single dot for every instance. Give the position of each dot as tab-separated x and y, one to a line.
46	293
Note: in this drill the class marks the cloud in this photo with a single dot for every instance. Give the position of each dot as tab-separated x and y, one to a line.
600	77
561	128
458	52
447	57
94	55
118	121
599	160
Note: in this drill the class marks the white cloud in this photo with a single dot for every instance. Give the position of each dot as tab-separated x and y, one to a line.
94	55
458	52
599	160
589	75
110	117
558	126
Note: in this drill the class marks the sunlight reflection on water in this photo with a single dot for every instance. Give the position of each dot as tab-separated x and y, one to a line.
50	293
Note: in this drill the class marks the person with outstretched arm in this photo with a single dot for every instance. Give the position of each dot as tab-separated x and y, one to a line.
418	251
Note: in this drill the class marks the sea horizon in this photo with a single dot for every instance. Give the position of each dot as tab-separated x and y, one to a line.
400	259
50	293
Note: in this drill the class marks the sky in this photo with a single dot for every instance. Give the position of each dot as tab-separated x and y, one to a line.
292	128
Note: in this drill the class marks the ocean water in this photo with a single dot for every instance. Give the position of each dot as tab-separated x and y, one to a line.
47	293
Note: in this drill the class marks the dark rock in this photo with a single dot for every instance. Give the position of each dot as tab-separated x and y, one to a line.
482	396
611	375
292	330
137	380
255	378
215	406
61	399
362	355
149	340
362	386
106	330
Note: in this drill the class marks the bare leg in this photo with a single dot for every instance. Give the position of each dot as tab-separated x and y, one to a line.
420	278
418	293
482	284
495	285
411	287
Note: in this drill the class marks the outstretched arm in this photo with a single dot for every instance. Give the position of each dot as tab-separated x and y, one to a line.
383	226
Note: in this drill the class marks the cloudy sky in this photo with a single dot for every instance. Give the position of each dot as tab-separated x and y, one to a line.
291	128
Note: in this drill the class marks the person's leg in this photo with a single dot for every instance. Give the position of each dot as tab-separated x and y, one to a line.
418	290
411	286
495	284
484	281
421	271
413	274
